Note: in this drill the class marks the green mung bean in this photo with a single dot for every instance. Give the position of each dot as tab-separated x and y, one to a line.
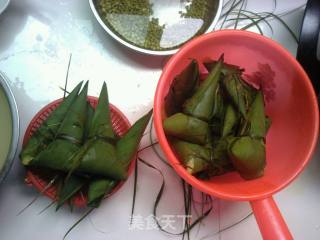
138	22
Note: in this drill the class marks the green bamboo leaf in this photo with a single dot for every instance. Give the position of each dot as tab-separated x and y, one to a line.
128	145
47	131
153	143
135	188
247	91
78	156
73	125
248	156
182	88
187	206
98	155
239	12
270	16
226	68
187	128
234	89
57	156
47	207
90	112
220	162
219	104
200	105
194	157
220	159
230	121
39	194
69	189
233	6
254	23
98	189
268	123
261	17
215	127
256	118
67	77
100	159
78	222
59	153
101	125
102	141
286	26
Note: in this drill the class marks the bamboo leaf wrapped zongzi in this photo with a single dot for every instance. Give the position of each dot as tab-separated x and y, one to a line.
201	103
59	153
222	126
248	156
187	128
48	130
182	88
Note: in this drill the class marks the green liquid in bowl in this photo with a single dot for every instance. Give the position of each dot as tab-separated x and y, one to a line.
5	128
157	24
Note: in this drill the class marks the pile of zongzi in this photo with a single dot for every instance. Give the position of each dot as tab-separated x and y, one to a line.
219	124
77	143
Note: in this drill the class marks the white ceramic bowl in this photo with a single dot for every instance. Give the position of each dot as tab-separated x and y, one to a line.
9	127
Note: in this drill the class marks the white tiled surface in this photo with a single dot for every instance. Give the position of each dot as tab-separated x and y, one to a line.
36	38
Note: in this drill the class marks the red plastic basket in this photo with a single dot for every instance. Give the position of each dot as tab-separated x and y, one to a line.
34	178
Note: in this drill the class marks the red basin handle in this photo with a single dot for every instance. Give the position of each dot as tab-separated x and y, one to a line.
270	220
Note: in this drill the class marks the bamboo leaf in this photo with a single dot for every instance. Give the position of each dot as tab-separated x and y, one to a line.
195	158
200	104
128	144
48	130
153	146
52	181
230	121
67	76
259	17
101	125
238	15
254	23
248	157
226	15
98	189
285	25
76	223
182	88
187	128
135	185
69	189
159	197
256	117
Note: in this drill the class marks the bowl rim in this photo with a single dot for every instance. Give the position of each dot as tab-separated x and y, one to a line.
15	127
143	50
4	7
163	140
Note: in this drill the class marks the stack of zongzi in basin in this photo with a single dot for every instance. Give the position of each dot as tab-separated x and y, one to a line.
77	144
219	124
